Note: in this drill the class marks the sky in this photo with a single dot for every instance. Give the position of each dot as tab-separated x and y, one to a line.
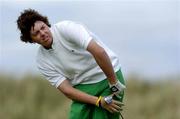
145	34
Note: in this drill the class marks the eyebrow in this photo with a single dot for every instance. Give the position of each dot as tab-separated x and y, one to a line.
35	32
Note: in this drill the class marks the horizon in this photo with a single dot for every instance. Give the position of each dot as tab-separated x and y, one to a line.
144	34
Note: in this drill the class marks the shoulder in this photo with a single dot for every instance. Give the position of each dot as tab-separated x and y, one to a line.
41	54
42	58
67	28
68	24
63	26
65	23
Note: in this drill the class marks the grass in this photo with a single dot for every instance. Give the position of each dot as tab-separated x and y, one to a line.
157	100
34	98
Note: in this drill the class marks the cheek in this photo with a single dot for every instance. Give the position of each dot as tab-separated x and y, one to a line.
49	33
35	39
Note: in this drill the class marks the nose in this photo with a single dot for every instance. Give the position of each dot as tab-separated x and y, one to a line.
42	33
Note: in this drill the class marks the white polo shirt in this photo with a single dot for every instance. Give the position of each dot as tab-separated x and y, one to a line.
69	59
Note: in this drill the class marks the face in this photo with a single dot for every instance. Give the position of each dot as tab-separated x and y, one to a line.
41	34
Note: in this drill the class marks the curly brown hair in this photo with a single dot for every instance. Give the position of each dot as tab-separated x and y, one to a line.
26	20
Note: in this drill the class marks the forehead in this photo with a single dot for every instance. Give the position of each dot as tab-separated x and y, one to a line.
36	26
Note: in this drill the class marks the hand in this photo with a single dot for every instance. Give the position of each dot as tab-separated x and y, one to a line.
113	106
117	87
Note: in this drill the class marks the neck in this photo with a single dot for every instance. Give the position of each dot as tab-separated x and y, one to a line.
49	46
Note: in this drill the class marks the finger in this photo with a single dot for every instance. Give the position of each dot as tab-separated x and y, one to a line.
119	108
116	106
114	110
118	103
110	110
119	112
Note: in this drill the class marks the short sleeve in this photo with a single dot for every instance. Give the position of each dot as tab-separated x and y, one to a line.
75	33
51	74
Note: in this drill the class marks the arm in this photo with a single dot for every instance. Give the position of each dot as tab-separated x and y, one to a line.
79	35
102	60
74	94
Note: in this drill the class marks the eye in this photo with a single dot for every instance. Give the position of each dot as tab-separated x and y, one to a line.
36	33
42	27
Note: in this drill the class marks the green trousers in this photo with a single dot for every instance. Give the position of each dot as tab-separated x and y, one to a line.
87	111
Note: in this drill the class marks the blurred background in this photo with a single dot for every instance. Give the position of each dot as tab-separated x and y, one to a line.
144	33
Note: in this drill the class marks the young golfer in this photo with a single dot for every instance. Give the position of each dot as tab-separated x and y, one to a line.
76	62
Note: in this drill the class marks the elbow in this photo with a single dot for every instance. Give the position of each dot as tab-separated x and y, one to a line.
101	51
67	93
66	88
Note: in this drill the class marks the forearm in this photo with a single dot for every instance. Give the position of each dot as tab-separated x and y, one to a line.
102	60
75	94
105	64
80	96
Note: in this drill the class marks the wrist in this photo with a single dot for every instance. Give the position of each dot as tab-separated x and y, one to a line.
117	87
108	99
98	101
112	80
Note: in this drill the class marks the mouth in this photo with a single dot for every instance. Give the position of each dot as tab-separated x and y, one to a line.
46	39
